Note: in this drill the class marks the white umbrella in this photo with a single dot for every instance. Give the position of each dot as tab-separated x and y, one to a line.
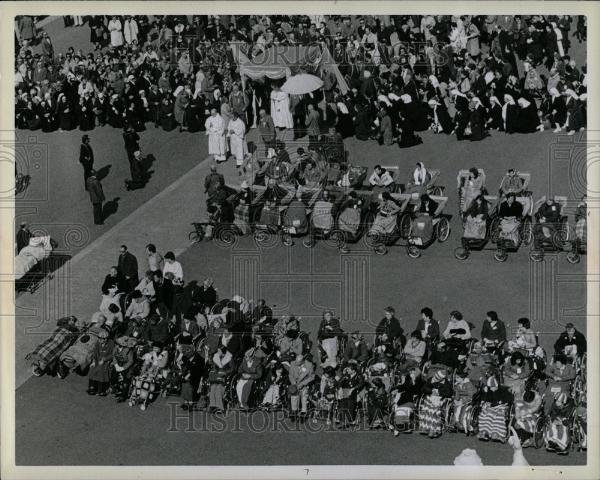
301	84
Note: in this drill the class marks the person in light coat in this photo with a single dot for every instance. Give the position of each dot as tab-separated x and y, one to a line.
215	130
130	29
116	32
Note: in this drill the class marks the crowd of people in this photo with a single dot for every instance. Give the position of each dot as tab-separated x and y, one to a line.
462	75
161	334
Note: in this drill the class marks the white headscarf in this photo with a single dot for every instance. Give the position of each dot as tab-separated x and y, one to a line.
434	81
494	100
508	99
554	92
420	174
571	93
477	102
342	108
406	98
523	103
393	97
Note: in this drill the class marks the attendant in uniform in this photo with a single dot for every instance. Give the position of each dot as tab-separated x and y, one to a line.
215	130
86	158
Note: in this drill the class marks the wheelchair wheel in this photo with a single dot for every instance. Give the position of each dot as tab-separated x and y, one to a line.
405	225
500	255
443	230
226	235
538	433
308	243
437	191
413	251
526	232
564	233
461	253
381	250
494	230
287	239
536	255
195	237
261	237
573	257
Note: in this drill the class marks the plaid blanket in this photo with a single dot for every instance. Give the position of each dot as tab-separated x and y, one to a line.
556	435
349	220
51	349
430	415
242	218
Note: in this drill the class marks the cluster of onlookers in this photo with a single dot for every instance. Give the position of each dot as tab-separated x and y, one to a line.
462	75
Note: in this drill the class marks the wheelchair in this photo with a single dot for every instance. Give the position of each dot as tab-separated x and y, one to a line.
558	234
523	234
440	232
379	241
470	243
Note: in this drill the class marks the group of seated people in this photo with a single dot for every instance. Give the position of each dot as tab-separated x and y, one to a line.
241	356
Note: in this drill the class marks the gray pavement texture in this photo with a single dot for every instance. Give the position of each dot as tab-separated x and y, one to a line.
57	423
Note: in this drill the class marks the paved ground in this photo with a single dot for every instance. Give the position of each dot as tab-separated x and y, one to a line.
58	423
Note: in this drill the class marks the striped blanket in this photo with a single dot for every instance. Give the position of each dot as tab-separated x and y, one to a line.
492	421
51	349
556	435
430	415
460	417
526	423
581	230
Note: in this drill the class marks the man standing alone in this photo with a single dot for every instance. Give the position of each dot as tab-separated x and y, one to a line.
128	266
94	188
312	125
131	139
86	158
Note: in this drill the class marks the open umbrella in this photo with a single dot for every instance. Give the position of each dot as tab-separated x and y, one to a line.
301	84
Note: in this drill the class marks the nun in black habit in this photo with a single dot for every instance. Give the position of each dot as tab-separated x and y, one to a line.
441	120
510	114
462	117
528	120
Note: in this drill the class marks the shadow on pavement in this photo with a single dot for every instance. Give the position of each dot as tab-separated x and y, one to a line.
103	172
110	208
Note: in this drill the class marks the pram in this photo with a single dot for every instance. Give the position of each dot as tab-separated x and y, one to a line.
32	265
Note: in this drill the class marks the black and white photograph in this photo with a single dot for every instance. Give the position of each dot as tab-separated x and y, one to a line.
297	239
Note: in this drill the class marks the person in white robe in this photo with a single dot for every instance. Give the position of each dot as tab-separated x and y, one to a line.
116	32
215	129
237	139
280	109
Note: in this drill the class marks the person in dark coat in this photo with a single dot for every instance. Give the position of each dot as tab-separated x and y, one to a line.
441	117
193	368
131	139
429	327
363	123
94	188
528	121
206	294
139	176
510	114
23	236
477	120
114	279
86	158
390	326
99	372
165	293
128	266
493	331
570	338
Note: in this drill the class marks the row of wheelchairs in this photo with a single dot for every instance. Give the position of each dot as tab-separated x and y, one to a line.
508	234
337	215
